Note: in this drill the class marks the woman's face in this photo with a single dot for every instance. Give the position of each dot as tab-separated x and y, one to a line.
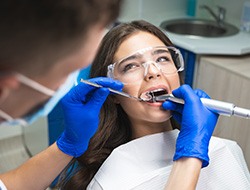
146	118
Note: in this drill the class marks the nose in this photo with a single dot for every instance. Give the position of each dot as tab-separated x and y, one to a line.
152	71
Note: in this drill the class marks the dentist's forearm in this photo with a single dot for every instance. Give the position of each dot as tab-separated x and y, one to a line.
184	174
38	172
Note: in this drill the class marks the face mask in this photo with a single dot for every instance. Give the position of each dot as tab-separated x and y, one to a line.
46	108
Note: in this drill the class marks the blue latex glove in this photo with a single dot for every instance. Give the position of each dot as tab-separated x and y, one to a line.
81	107
197	124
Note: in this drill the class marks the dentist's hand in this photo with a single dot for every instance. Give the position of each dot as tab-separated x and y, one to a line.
197	124
81	107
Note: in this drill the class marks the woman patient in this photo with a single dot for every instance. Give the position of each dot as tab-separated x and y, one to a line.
135	142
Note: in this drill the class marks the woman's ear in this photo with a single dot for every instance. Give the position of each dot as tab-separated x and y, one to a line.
8	82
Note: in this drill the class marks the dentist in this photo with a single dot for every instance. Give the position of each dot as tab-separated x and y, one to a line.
43	46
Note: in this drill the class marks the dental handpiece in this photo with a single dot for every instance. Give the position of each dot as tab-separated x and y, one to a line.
220	107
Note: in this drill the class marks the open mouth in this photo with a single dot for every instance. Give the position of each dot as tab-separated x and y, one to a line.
150	95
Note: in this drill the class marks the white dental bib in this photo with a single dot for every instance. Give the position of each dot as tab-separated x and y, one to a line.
146	163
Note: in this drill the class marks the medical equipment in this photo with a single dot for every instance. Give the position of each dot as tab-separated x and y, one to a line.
111	90
222	108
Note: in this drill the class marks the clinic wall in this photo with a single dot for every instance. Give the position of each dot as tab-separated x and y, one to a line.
153	11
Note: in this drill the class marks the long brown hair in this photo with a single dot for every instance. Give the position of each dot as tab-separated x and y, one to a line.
114	125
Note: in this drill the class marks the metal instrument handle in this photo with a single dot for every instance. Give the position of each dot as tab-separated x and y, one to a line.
220	107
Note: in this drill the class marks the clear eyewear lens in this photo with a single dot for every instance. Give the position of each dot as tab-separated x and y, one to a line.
132	69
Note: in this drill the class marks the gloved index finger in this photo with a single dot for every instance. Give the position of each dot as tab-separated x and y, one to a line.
83	90
186	93
106	82
201	93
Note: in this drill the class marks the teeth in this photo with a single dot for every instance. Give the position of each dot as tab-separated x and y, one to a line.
157	92
150	95
146	96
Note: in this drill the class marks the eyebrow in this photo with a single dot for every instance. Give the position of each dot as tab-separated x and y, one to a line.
160	51
130	58
138	55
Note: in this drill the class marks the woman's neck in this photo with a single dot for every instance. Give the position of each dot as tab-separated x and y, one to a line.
140	129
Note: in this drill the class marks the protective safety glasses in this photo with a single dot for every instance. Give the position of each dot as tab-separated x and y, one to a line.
134	68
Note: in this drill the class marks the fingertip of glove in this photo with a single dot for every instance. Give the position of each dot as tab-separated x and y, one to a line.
201	93
117	85
180	92
186	89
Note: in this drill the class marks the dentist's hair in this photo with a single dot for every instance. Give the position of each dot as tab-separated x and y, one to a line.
34	34
114	125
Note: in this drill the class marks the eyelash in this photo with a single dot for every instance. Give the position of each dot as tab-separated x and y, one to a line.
164	57
128	66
